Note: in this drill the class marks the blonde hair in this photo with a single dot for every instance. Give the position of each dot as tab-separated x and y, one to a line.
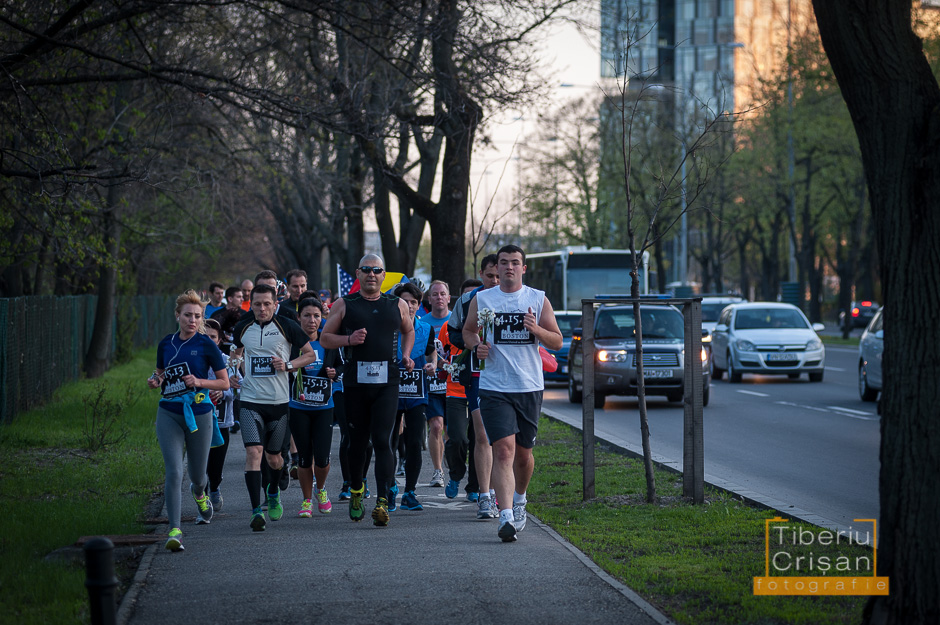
446	286
191	297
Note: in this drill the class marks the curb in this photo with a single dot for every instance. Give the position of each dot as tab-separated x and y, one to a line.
750	497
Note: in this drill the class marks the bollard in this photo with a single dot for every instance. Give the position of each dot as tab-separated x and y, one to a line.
100	580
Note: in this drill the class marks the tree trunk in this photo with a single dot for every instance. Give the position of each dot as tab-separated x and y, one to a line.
99	347
894	101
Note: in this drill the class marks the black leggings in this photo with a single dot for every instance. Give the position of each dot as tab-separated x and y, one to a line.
339	415
313	434
414	436
217	461
370	411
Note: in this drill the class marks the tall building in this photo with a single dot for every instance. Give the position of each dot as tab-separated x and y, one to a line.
709	52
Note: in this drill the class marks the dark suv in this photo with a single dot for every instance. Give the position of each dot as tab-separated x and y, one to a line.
859	315
615	355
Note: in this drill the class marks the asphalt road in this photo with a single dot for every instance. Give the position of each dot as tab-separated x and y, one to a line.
802	445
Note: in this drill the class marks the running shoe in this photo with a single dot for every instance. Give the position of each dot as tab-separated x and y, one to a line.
275	509
203	505
409	501
453	487
519	516
323	501
215	497
506	532
306	509
175	540
437	478
473	497
401	468
365	485
486	510
344	492
257	520
392	496
380	512
356	511
293	471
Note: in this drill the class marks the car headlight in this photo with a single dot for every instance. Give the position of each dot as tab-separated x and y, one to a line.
612	356
745	346
704	355
813	345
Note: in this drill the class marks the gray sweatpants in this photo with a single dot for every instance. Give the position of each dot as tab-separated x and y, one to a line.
173	435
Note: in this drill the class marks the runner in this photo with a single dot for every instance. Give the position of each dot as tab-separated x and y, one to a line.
439	297
184	415
311	412
412	411
265	341
481	453
223	401
511	381
216	293
296	286
247	285
367	322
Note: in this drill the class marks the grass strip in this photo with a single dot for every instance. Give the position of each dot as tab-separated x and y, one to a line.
64	475
695	563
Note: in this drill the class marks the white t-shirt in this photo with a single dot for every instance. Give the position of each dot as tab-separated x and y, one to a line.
513	364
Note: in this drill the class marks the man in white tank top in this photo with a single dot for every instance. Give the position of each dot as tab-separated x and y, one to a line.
515	319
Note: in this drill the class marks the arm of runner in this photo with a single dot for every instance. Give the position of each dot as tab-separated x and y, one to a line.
546	329
298	340
407	331
471	336
218	384
330	338
430	355
155	380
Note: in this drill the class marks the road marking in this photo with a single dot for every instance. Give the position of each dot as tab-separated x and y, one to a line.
844	412
840	408
754	393
835	369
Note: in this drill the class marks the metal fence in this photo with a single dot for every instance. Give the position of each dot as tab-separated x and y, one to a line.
44	340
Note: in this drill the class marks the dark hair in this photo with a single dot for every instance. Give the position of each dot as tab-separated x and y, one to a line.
410	289
294	273
232	290
489	259
214	324
511	249
215	285
307	302
263	288
474	282
305	295
227	317
267	274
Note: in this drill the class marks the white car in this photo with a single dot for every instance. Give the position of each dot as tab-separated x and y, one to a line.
767	338
870	349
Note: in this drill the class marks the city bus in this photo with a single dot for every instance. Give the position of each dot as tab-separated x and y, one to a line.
569	275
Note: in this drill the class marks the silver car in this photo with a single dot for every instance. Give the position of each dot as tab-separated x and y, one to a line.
766	338
870	349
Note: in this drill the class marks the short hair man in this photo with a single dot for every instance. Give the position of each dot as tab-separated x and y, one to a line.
296	285
511	381
247	286
216	293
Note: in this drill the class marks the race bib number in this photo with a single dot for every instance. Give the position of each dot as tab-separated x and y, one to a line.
173	385
315	391
372	372
260	366
510	330
411	385
437	386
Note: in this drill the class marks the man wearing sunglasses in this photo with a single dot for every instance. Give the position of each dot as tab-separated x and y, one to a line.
367	324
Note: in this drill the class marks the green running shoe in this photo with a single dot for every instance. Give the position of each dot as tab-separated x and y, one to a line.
356	511
380	512
175	540
275	509
257	520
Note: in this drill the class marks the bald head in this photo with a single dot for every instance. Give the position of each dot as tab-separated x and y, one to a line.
372	260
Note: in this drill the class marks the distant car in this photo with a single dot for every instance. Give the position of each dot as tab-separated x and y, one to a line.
567	320
870	350
712	305
767	338
615	355
859	315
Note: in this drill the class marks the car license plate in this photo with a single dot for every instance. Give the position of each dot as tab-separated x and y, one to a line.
657	373
782	357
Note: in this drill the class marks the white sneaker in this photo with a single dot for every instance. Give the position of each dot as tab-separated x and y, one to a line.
486	509
437	478
519	516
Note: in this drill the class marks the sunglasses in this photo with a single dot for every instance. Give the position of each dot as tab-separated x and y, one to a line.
375	270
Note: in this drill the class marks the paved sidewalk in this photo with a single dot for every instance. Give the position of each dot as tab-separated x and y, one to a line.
440	565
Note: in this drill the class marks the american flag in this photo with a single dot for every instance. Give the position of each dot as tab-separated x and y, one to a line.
346	282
